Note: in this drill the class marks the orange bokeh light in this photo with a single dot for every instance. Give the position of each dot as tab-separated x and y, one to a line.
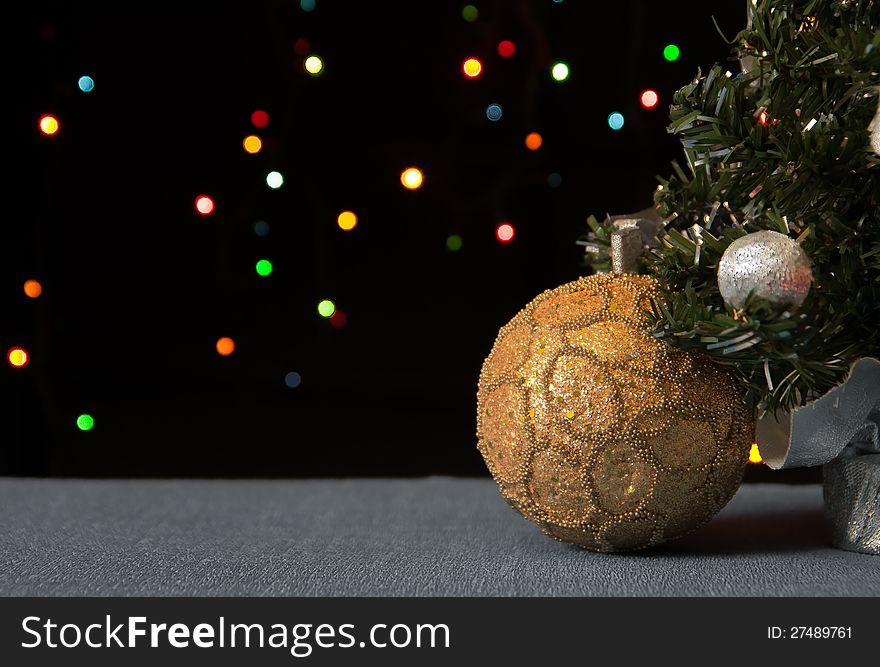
347	221
252	144
534	141
225	346
33	288
412	178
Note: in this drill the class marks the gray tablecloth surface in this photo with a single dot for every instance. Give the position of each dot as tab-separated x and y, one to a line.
414	537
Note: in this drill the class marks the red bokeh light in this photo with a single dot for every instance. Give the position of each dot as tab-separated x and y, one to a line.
204	205
259	118
302	47
338	319
649	98
506	48
505	232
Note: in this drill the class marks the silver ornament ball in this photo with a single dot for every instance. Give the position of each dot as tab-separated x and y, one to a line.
769	264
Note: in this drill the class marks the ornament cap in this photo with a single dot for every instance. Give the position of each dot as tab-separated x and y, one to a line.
626	248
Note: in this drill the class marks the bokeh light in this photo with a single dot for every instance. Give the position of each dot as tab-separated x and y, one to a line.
615	120
314	65
347	221
338	319
472	68
225	346
204	205
671	53
494	112
293	379
534	141
261	228
454	242
86	84
85	422
18	357
649	98
274	179
506	48
326	308
505	232
554	180
302	46
259	118
470	13
766	119
307	5
755	454
33	288
49	125
411	178
264	267
560	71
252	144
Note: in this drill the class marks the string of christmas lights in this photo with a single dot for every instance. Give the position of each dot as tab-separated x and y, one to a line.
473	67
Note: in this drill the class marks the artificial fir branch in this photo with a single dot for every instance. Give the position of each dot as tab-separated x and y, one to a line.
781	146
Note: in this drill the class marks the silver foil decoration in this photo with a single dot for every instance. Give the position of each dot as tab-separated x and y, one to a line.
840	429
852	498
769	264
818	432
874	128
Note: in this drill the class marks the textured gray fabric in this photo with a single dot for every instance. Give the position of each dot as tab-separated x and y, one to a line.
434	536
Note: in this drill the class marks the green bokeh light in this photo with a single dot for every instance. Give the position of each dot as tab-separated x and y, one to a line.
560	71
470	13
454	243
671	53
85	422
326	308
264	267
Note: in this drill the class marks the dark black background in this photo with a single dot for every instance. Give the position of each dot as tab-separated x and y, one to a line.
138	287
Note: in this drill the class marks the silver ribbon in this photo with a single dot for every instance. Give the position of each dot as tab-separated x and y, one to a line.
852	498
842	431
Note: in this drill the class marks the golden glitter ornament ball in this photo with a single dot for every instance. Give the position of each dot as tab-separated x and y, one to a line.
600	433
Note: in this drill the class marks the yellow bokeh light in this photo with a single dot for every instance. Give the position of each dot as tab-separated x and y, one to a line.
252	144
18	357
314	65
347	221
754	454
411	178
33	288
472	67
48	125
